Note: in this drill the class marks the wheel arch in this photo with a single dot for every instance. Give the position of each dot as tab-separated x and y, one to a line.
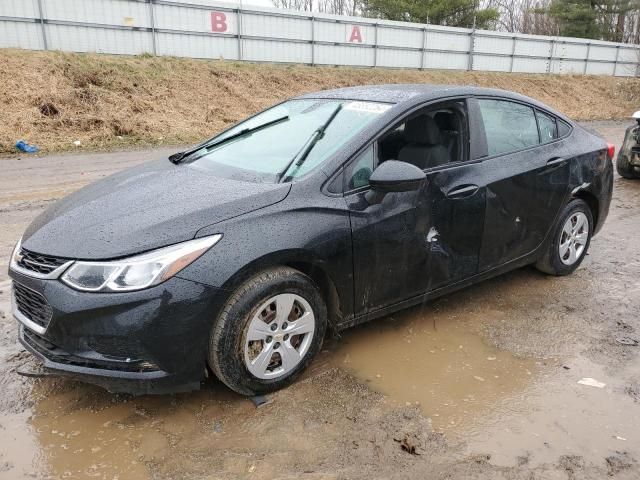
594	205
304	262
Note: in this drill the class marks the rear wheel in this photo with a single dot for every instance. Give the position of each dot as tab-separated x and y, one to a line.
268	331
570	241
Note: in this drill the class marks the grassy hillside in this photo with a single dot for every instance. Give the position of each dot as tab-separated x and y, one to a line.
53	99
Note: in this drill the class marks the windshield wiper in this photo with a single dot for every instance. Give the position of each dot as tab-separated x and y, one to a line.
178	157
303	153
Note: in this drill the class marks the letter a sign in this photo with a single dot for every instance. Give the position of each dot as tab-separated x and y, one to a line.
356	35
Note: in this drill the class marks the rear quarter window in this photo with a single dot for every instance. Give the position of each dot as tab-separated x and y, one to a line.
563	128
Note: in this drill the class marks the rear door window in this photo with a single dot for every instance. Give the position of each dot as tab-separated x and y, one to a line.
509	126
547	126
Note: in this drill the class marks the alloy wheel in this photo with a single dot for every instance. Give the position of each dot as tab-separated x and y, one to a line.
573	238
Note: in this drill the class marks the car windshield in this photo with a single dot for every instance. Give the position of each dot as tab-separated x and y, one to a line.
264	154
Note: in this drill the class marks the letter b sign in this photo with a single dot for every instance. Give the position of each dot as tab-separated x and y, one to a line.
218	22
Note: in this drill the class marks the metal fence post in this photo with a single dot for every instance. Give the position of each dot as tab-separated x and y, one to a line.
152	19
375	45
313	41
240	30
45	43
586	59
615	62
551	49
423	50
513	53
472	40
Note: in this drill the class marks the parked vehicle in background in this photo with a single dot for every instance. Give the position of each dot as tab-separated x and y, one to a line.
628	162
325	211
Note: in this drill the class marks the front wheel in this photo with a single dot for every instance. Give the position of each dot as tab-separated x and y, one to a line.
268	331
570	241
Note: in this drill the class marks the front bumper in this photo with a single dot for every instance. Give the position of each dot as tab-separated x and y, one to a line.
150	341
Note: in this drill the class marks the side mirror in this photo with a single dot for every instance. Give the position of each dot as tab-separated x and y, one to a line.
394	176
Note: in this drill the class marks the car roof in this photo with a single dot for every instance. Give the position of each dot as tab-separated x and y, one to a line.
411	94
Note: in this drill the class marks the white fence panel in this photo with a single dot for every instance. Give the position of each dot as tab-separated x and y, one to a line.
600	68
345	33
20	35
630	55
197	46
493	44
101	40
452	61
491	63
533	48
398	58
344	55
267	50
19	8
213	29
454	42
530	65
397	37
107	12
600	52
172	17
571	50
280	27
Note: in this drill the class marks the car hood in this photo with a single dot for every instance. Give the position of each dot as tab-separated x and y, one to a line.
139	209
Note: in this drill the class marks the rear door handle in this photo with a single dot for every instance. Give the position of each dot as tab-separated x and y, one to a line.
556	161
463	191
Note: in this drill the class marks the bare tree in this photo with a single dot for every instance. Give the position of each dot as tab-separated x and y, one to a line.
524	16
304	5
340	7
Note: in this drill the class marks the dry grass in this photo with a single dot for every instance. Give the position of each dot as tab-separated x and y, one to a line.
53	98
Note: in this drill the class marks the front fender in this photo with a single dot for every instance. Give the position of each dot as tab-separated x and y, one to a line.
318	236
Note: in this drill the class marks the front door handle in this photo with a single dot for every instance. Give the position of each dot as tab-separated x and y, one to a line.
462	191
556	160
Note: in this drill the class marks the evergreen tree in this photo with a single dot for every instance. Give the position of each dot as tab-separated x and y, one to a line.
457	13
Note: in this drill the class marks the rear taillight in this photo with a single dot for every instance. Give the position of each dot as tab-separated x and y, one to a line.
611	150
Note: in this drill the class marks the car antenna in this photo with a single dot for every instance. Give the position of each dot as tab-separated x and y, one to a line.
303	153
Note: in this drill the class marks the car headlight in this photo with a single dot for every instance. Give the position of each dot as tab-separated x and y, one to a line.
15	255
137	272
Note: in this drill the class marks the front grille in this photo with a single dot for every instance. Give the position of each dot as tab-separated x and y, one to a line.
38	263
32	305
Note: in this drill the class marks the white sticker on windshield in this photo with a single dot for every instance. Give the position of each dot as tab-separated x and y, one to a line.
368	107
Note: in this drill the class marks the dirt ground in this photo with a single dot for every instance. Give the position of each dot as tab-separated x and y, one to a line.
54	99
481	384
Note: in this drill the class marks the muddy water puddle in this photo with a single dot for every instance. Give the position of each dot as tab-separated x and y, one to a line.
517	410
457	379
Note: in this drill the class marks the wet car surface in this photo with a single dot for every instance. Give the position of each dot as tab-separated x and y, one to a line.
535	420
238	254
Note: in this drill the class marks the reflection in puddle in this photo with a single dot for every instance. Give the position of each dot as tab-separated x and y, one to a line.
454	376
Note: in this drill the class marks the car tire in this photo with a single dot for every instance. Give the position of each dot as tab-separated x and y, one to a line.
625	169
570	241
243	337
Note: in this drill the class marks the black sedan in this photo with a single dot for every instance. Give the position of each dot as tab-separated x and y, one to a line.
325	211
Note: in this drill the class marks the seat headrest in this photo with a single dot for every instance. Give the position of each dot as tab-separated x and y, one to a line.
445	120
422	130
